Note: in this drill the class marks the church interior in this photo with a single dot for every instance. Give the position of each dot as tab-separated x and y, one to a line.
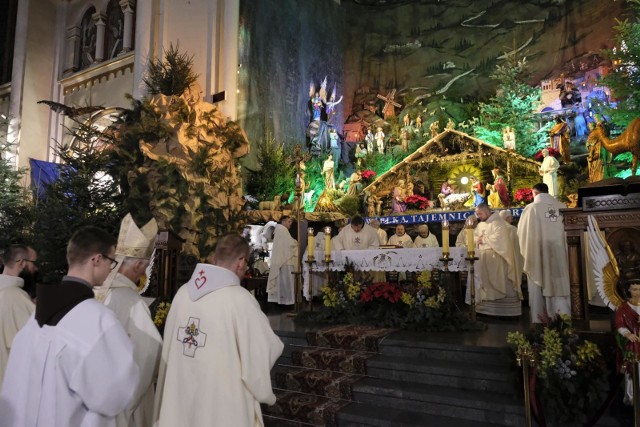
431	121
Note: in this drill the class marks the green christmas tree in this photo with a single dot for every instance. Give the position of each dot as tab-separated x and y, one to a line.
16	203
624	76
83	194
513	105
276	174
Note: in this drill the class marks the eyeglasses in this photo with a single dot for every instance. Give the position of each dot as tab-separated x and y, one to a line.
114	263
27	260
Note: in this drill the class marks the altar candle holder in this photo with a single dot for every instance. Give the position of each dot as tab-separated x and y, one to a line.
445	259
327	253
327	244
310	245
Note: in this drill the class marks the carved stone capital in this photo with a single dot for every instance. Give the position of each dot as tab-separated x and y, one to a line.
127	6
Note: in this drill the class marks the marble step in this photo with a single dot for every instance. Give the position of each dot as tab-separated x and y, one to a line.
367	415
487	407
292	341
479	377
270	421
465	354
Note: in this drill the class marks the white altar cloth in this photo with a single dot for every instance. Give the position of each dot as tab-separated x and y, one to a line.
414	259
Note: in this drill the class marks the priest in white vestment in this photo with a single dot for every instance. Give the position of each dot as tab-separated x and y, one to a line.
546	260
357	235
218	348
120	293
281	281
72	364
549	171
401	238
15	304
382	234
497	275
425	239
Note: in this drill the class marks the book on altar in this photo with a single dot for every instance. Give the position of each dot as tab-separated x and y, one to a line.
391	247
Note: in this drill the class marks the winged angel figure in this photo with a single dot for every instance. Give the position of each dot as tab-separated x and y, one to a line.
627	320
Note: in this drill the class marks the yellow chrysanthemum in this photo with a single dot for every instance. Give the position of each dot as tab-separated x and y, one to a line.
408	299
552	349
329	296
432	302
586	353
424	279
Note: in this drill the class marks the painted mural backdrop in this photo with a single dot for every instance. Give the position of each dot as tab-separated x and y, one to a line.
285	45
432	52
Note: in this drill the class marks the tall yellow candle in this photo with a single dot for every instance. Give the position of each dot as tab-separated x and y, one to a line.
327	241
310	244
445	236
471	247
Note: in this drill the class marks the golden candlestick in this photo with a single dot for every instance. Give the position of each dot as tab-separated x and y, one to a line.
445	238
327	253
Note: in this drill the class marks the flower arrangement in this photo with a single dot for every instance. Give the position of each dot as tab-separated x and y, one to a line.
416	202
552	152
386	291
571	374
368	175
421	304
523	195
159	312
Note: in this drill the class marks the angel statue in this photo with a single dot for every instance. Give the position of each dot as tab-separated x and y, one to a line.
620	295
321	107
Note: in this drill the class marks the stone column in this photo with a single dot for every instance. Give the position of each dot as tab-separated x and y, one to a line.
99	19
128	7
145	28
72	50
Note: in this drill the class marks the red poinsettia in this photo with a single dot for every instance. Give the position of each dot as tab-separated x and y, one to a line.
384	290
368	175
416	202
523	195
552	152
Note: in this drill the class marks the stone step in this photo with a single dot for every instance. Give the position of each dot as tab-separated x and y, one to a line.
493	408
270	421
480	377
465	354
292	341
366	415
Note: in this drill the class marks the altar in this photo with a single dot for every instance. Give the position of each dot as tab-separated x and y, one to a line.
398	260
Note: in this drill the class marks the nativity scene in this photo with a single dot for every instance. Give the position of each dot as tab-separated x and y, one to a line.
324	204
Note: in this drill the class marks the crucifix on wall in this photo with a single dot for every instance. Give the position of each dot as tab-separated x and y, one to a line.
389	104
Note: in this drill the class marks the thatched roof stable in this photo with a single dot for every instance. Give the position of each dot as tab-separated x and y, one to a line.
452	155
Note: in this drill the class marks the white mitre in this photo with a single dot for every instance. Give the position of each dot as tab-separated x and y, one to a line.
133	242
